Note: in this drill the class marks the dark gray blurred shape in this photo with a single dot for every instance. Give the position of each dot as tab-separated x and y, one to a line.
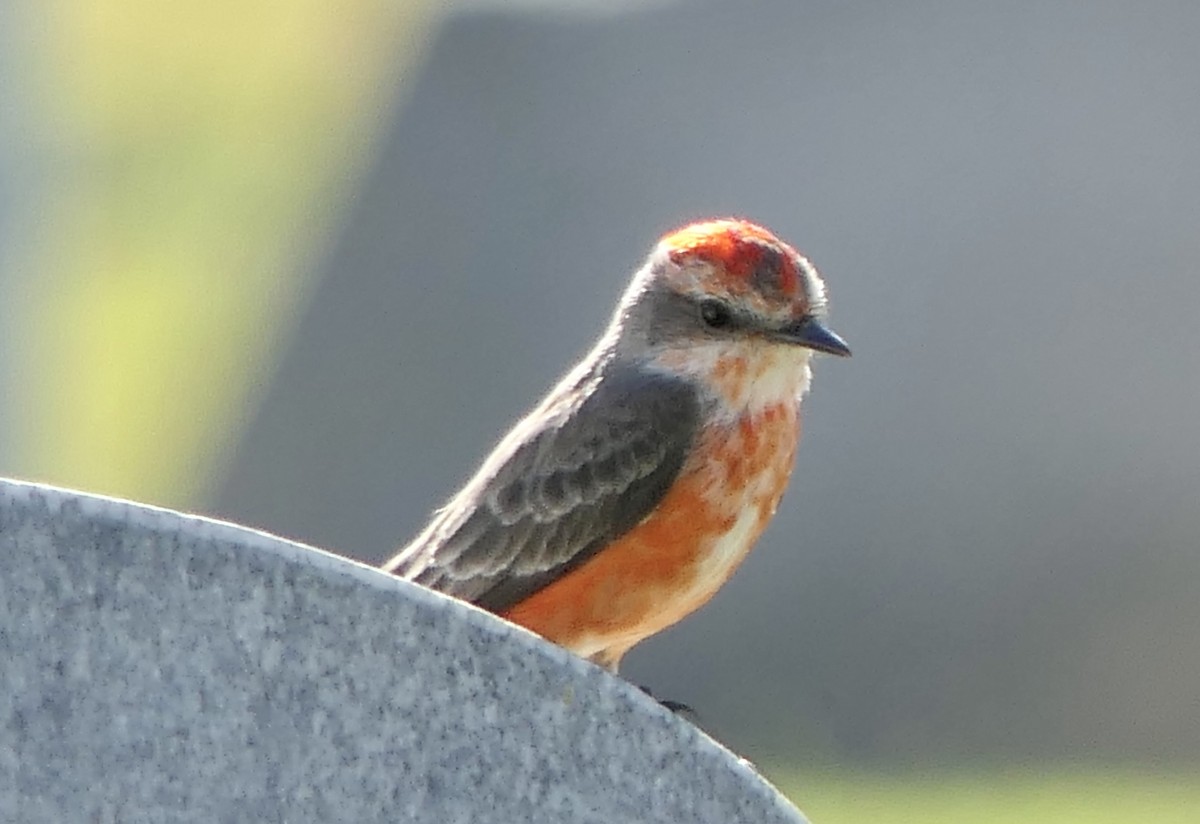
990	547
159	667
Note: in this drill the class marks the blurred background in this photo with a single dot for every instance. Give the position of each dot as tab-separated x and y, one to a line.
298	265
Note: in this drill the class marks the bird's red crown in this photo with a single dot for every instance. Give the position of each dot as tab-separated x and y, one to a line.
745	256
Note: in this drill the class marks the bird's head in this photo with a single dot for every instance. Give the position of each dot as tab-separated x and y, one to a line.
726	285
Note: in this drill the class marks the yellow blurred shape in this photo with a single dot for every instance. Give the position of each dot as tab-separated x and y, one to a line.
201	152
1058	793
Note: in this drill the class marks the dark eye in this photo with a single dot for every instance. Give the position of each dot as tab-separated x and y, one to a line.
715	314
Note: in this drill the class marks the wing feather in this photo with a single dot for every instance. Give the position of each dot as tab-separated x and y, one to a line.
561	493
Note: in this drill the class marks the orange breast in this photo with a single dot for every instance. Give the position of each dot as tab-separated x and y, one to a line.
678	556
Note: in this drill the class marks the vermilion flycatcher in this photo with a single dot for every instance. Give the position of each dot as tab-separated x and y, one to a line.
630	494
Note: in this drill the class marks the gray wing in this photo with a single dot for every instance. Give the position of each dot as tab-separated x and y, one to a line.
560	491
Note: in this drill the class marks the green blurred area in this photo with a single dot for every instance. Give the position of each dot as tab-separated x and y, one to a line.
196	155
1058	795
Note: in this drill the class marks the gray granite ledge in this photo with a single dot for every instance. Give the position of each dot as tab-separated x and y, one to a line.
163	667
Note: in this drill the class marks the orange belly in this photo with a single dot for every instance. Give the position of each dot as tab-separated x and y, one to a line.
682	552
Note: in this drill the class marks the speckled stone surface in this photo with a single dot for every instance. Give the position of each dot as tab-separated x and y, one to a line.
161	667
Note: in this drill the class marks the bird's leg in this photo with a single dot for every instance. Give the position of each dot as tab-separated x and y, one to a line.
610	659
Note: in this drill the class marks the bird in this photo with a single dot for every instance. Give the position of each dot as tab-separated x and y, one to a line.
629	495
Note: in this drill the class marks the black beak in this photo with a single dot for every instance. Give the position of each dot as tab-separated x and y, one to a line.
813	334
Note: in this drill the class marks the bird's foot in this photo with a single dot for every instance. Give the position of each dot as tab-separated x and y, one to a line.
677	707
